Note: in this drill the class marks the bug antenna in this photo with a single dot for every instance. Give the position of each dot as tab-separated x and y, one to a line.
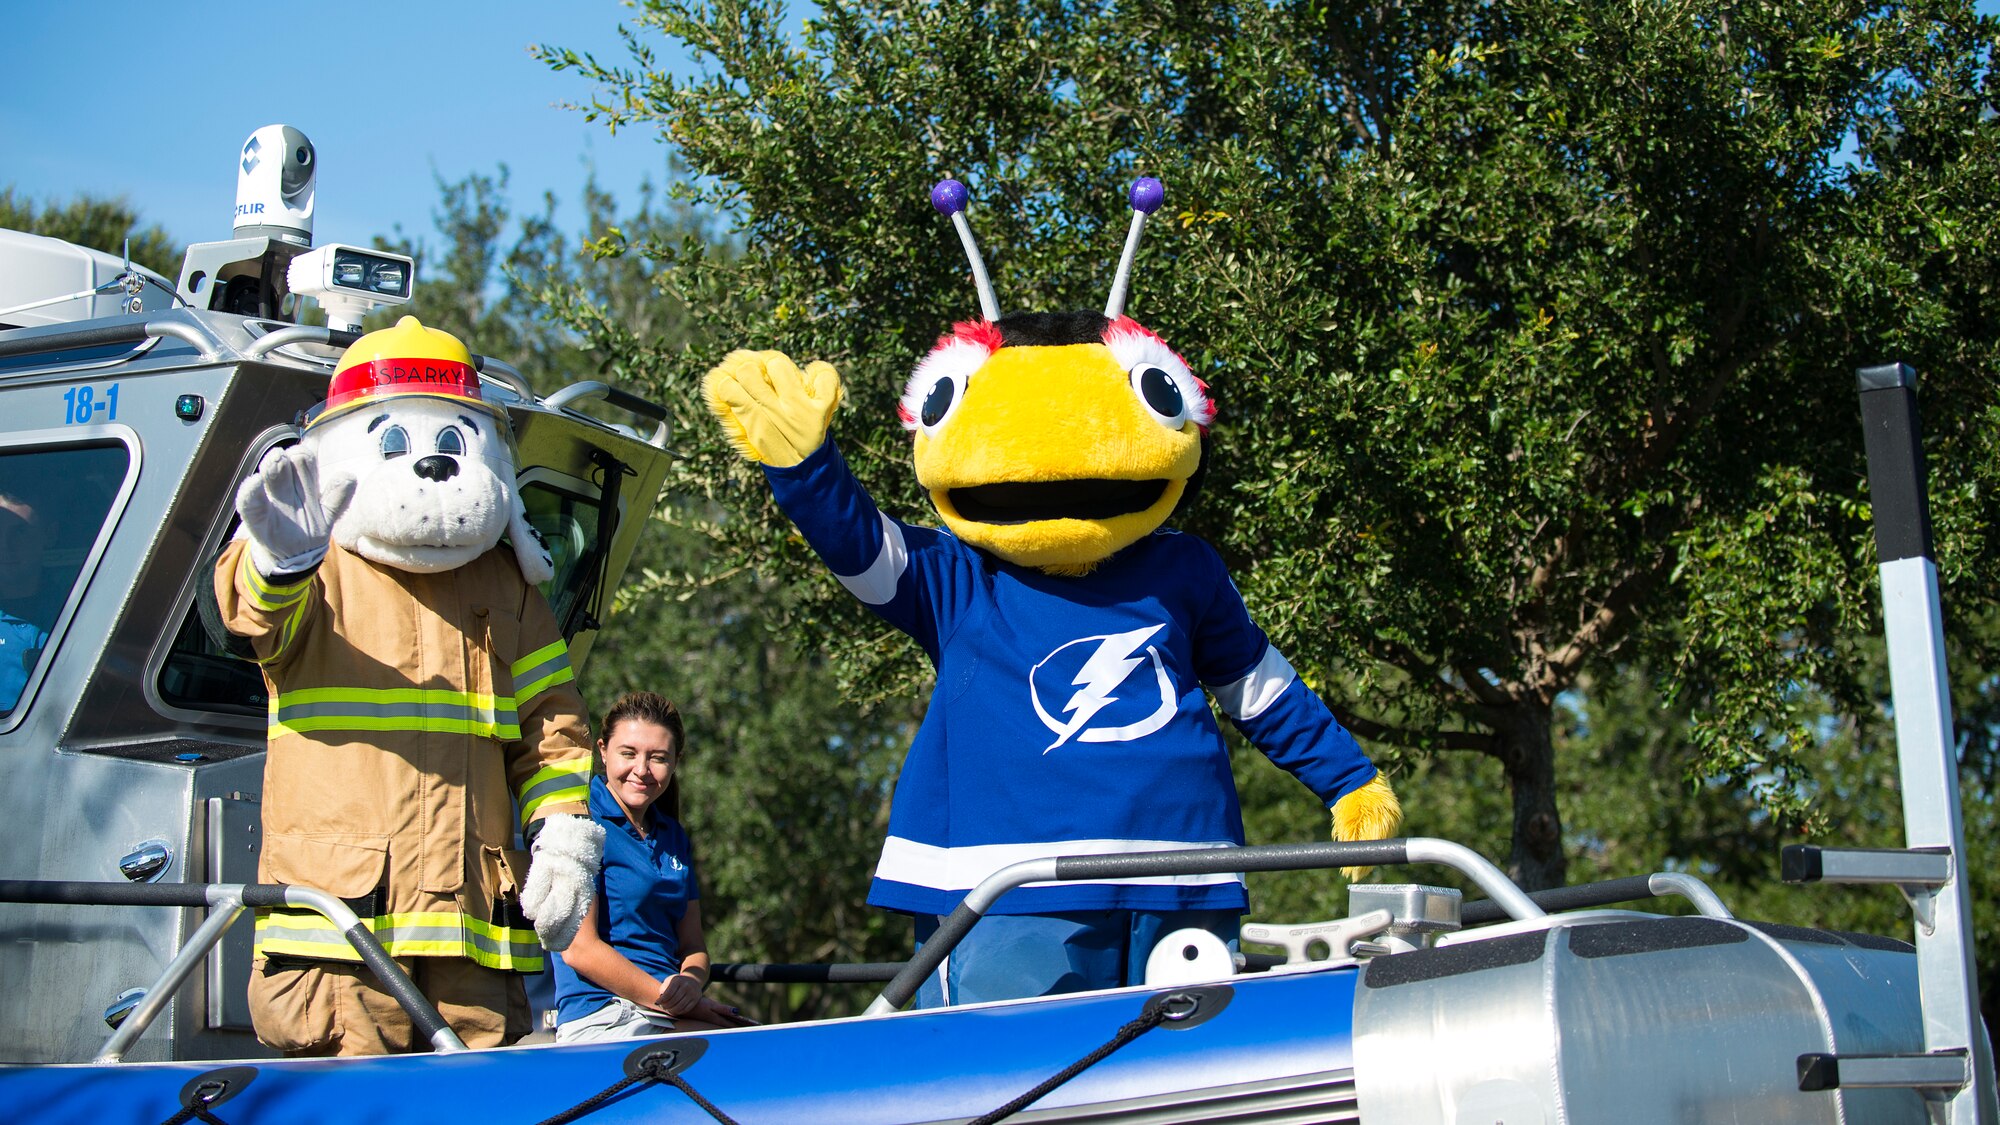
950	197
1146	196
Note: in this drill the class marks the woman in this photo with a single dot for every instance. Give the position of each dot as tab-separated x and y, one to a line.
639	963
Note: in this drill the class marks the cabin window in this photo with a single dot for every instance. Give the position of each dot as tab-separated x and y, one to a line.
200	674
54	504
567	517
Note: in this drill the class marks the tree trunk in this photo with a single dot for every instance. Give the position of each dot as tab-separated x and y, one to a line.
1537	862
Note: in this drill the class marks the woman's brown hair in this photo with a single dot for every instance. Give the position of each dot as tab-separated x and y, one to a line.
646	707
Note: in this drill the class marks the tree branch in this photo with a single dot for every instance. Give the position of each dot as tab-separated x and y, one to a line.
1475	741
1357	110
1609	621
1487	692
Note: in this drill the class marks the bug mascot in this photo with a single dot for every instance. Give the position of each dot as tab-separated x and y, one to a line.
420	694
1071	632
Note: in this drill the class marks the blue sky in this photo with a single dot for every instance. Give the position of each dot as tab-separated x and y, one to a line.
151	101
170	91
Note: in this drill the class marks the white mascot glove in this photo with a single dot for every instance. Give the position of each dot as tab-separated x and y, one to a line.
282	516
562	875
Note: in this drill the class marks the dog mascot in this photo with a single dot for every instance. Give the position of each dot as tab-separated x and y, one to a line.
420	694
1073	635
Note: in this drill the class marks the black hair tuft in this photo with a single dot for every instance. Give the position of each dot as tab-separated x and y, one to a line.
1051	330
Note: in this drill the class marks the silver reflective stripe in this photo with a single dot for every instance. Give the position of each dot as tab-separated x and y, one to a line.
457	712
1251	696
877	584
580	779
527	678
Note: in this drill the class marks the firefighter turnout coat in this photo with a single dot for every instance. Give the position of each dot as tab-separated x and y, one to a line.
410	715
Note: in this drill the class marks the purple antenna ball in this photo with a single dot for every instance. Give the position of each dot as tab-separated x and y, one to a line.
949	197
1147	194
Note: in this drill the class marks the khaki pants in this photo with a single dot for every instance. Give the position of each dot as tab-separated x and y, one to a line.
338	1008
620	1019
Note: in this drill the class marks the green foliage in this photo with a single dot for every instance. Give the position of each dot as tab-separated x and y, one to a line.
1532	323
101	224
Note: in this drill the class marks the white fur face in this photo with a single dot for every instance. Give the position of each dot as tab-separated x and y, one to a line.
419	484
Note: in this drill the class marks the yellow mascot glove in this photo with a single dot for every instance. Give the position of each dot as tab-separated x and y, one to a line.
1369	813
772	411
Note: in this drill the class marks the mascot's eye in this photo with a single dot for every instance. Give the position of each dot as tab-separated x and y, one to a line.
451	441
1161	393
943	395
395	442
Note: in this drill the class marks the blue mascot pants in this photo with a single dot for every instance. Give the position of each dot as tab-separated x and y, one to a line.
1008	956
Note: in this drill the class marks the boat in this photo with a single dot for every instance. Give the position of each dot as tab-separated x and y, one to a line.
131	755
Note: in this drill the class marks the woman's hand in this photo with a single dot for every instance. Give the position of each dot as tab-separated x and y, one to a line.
721	1015
680	994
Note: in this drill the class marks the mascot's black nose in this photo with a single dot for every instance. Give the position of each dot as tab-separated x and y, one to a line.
436	467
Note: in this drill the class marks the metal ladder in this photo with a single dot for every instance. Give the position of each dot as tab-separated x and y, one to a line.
1956	1067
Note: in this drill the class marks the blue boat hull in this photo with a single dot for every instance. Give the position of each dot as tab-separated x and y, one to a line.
1286	1038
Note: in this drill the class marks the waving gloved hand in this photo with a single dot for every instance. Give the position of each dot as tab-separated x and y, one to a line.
282	515
1369	813
562	877
772	411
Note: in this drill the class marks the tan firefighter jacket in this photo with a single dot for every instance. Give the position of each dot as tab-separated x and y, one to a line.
410	715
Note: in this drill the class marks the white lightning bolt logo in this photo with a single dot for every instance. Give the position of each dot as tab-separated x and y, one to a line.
1100	675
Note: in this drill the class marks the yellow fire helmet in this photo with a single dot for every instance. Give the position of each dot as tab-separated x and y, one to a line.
406	359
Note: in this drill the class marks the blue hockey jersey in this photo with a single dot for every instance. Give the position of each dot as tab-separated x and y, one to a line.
1068	716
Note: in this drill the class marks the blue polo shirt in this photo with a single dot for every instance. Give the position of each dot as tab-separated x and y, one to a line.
643	891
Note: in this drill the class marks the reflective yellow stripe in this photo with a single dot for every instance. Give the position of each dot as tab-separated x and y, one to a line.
288	600
540	670
541	655
505	732
415	934
559	783
433	710
271	595
396	695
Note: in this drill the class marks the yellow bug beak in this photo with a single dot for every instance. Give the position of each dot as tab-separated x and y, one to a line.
1052	461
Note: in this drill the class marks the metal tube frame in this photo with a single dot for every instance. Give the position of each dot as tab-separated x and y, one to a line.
1196	861
226	901
1690	888
91	335
1609	892
295	334
225	904
623	400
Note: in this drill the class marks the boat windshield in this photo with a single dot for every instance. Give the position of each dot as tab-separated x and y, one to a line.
567	522
54	501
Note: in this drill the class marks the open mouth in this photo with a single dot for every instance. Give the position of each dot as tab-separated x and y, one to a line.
1055	500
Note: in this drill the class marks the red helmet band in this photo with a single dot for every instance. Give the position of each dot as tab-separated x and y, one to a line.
381	377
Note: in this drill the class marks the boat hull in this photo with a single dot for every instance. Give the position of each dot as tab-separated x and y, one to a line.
1275	1048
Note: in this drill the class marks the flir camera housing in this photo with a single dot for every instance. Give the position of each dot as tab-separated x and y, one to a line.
271	258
